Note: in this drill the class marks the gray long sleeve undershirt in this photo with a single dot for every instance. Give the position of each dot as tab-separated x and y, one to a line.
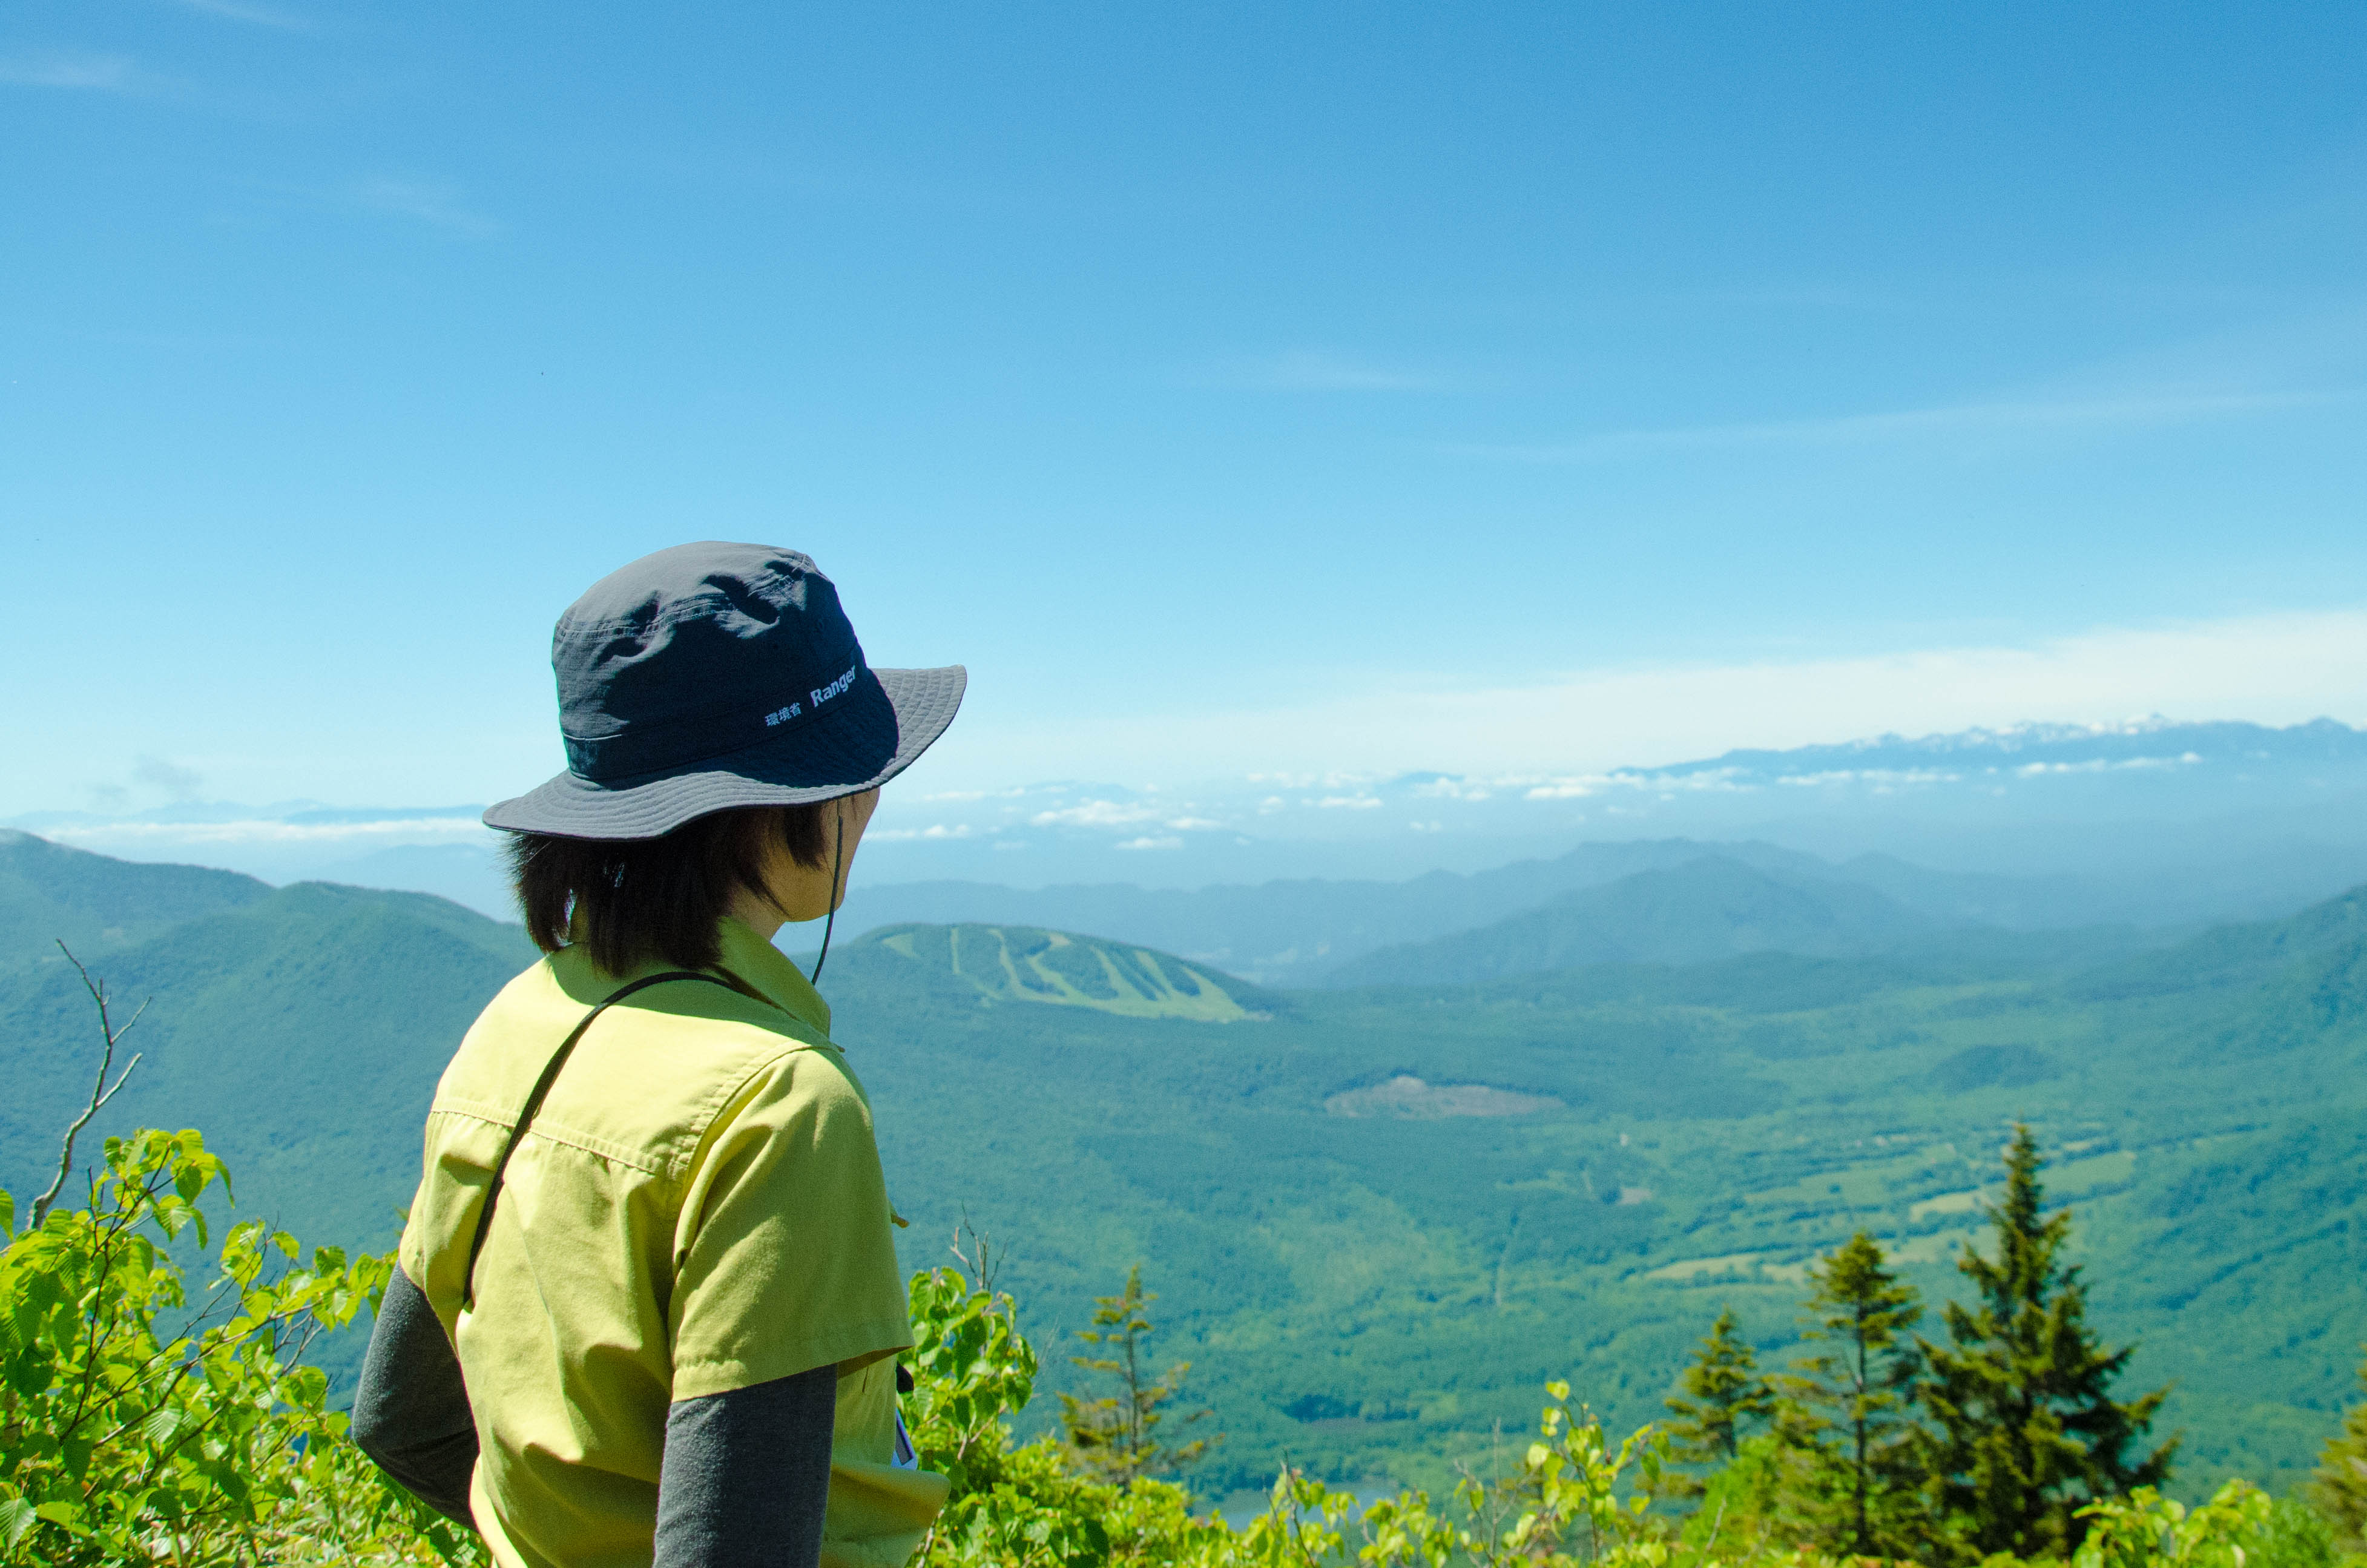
744	1478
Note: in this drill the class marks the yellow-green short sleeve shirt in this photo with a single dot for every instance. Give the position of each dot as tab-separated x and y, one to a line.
698	1207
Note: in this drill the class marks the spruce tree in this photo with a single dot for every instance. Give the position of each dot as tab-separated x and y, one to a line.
2028	1431
1856	1481
2339	1488
1115	1437
1726	1390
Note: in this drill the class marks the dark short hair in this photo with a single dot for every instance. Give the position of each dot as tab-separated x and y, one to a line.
629	899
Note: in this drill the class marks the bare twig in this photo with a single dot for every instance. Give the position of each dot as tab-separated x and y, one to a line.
100	1091
983	1263
1715	1524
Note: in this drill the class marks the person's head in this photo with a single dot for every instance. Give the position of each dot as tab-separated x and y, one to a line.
726	742
629	900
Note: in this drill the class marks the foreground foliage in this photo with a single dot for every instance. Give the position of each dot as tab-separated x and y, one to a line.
2341	1484
1570	1497
143	1424
139	1424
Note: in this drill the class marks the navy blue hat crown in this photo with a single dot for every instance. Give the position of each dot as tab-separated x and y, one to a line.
714	676
682	657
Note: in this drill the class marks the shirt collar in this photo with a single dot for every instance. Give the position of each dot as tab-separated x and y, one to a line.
768	971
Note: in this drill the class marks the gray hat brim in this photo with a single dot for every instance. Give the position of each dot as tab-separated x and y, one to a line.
856	746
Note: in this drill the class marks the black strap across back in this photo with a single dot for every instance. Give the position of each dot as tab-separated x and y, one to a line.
534	1103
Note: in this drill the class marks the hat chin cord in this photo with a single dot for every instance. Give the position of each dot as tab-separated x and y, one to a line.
837	871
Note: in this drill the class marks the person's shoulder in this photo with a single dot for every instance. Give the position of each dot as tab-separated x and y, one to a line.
651	1074
801	1078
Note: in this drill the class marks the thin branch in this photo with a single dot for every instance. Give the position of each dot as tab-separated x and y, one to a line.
987	1264
99	1091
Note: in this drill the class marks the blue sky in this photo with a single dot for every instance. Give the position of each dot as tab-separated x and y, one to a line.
1274	386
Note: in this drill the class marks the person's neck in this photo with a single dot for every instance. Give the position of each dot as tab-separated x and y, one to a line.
756	914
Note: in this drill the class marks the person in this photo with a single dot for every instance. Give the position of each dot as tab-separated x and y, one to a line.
648	1305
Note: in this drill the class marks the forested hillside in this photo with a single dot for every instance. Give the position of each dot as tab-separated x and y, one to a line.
1319	932
1382	1213
302	1028
1380	1216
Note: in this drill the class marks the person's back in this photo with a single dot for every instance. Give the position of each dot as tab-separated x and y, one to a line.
648	1303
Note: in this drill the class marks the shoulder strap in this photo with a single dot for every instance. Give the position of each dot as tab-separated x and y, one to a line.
534	1103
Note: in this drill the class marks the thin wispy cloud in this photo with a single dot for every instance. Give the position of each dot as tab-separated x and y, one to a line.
1802	297
1315	370
241	11
2039	416
157	773
77	73
437	206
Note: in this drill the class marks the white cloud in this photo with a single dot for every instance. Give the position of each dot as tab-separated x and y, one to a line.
436	205
1857	430
161	837
239	11
1095	814
1561	733
180	783
1308	369
2098	764
1351	802
934	831
1149	843
85	73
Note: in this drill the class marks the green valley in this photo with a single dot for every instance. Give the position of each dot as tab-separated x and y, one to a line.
1379	1217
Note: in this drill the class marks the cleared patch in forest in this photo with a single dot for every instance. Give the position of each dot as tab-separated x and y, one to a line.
1411	1097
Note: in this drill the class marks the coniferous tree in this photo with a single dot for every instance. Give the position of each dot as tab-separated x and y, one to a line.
1856	1481
2339	1488
1115	1437
1726	1390
2028	1431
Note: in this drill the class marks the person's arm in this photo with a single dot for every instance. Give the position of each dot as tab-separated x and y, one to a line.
746	1475
411	1409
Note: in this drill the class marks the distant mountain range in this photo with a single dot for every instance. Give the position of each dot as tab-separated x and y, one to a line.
2035	750
1674	901
2176	821
1694	912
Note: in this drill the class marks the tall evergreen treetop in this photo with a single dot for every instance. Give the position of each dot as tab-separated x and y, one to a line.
1725	1389
1848	1407
2029	1432
2339	1488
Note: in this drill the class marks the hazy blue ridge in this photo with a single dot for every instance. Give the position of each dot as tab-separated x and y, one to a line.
2041	746
50	893
1291	929
303	1032
1309	931
1693	913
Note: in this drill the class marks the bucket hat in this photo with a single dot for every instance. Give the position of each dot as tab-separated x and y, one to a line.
711	677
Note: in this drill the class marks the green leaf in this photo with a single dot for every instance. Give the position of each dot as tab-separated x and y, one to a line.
62	1513
16	1516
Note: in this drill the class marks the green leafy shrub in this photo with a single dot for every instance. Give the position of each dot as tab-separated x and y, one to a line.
138	1425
